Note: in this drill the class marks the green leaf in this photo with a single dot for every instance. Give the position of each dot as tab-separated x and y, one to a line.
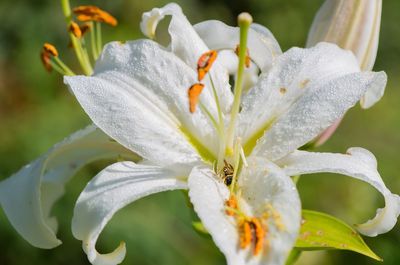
321	231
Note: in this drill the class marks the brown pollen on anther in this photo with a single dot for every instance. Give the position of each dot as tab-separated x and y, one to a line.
75	30
93	13
45	58
205	62
50	49
84	28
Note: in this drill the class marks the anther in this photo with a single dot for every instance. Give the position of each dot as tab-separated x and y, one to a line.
247	60
194	94
84	28
232	205
75	29
205	62
50	49
50	60
45	58
245	235
259	234
93	13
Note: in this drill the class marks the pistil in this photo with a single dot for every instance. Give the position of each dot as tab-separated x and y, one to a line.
244	21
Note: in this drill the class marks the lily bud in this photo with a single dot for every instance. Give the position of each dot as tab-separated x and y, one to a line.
353	25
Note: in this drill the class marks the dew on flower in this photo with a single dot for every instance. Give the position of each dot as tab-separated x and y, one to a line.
212	110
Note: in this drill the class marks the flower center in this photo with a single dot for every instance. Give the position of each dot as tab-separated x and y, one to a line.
229	144
252	230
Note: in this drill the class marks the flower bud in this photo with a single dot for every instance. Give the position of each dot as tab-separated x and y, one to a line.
353	25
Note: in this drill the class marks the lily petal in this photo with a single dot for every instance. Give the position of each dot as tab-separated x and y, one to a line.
357	163
28	196
187	45
305	92
262	45
112	189
264	186
229	60
138	92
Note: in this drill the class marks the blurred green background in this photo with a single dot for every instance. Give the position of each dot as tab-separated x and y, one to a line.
37	111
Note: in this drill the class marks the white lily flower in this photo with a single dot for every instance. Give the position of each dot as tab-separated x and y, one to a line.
234	155
139	96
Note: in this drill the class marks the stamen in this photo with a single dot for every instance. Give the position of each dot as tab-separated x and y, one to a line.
251	230
208	113
205	62
247	60
93	41
50	60
45	57
85	28
50	49
220	128
259	235
75	29
80	52
244	20
93	13
232	205
245	236
194	94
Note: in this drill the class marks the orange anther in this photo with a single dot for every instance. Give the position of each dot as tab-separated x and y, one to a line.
194	94
45	57
50	49
75	29
205	62
93	13
84	28
259	234
232	204
245	235
247	60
